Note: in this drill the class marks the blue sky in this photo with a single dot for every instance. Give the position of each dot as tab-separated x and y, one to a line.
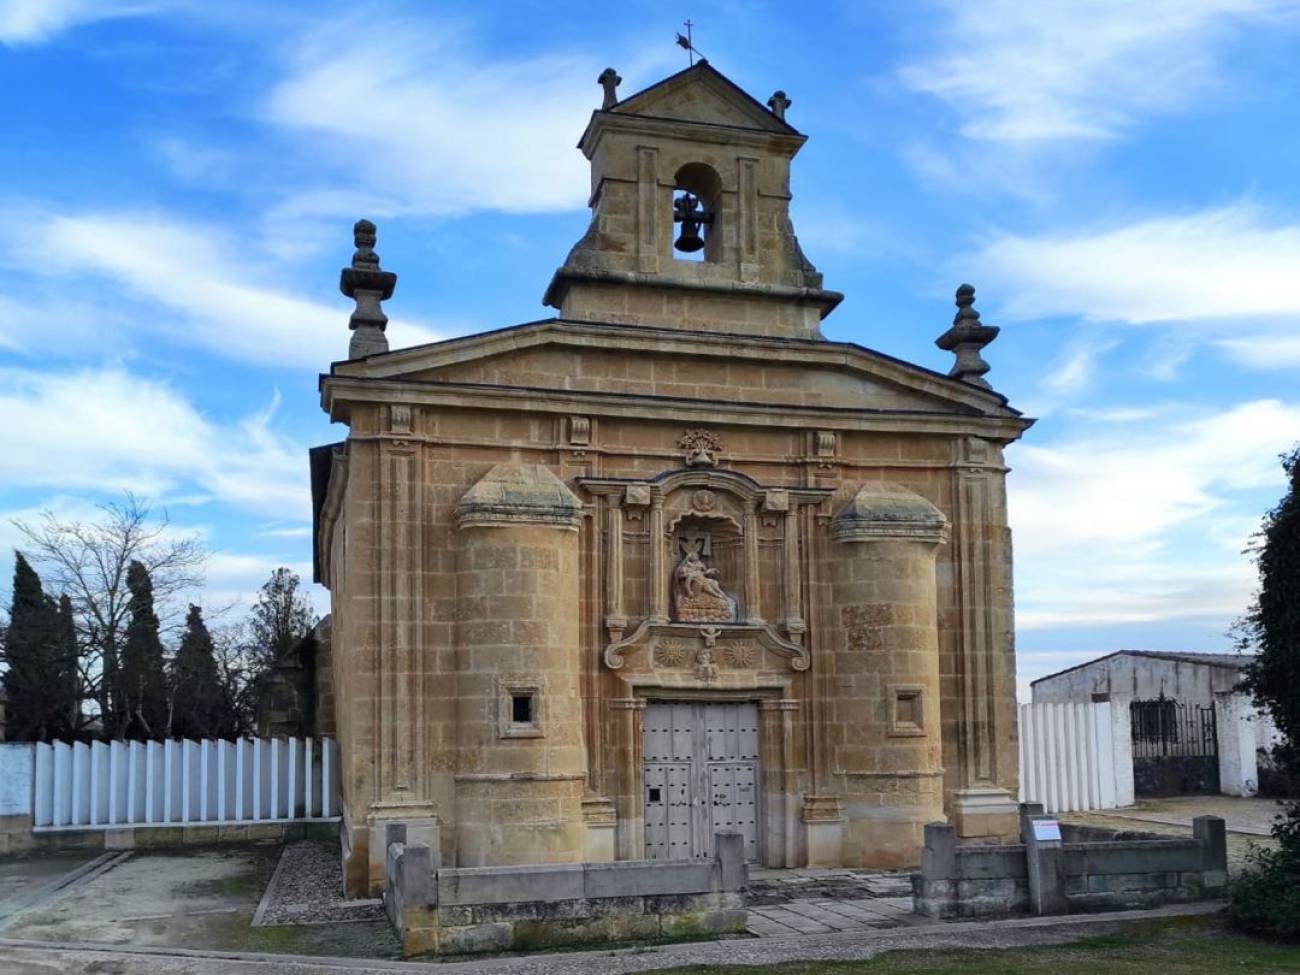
178	181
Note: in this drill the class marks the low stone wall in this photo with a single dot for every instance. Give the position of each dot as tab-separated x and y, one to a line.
1077	873
17	837
969	880
474	909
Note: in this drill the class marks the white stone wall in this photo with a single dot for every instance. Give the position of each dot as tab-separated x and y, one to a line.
1137	678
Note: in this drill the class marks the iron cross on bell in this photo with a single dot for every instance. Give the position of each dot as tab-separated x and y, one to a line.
688	211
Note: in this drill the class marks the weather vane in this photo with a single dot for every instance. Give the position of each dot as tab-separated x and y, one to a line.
686	42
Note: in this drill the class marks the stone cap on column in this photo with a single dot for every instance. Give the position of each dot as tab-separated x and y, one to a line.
519	494
888	511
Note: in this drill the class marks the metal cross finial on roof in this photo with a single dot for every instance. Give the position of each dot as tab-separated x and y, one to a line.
609	80
688	42
778	103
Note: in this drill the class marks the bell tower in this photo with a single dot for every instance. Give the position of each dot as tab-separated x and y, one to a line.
690	225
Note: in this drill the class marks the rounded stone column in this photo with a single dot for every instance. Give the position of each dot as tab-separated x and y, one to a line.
521	763
883	684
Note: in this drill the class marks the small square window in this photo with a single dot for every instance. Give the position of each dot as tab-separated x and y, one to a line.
907	710
521	711
521	708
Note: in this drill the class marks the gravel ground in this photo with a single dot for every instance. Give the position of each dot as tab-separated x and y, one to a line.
1239	846
74	960
308	889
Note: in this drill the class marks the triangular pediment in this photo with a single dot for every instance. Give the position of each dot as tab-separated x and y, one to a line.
702	94
622	360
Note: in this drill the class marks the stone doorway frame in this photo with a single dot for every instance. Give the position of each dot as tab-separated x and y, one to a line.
779	840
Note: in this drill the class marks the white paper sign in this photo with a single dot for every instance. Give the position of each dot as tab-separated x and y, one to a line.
1047	829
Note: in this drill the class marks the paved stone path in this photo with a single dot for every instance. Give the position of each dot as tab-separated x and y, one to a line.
786	903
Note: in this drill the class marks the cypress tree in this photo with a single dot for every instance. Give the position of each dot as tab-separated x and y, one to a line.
42	682
144	682
198	705
65	684
30	646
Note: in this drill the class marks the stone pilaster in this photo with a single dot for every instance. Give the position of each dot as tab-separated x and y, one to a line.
984	803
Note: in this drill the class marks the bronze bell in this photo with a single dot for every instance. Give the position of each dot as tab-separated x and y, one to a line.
693	217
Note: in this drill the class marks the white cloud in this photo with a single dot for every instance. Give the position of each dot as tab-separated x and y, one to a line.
1148	522
1118	414
1076	367
1264	351
1229	263
36	21
1077	69
422	124
107	431
197	286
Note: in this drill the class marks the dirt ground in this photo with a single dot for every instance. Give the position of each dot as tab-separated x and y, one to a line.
192	898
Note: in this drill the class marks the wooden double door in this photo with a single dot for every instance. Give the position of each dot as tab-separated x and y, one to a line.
700	775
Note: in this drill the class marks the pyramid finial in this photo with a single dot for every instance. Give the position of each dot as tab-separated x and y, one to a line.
966	338
368	285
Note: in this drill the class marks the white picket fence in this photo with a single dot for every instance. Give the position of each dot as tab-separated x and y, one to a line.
1075	757
172	783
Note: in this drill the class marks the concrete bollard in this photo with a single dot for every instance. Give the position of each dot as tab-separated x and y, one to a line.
1211	832
939	855
1046	862
731	873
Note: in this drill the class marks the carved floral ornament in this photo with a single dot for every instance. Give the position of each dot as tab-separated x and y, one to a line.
702	448
678	652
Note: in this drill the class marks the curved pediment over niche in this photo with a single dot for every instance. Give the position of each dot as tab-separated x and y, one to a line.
705	650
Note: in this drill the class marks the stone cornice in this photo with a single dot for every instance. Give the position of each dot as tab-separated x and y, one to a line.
740	484
655	127
825	301
644	338
339	393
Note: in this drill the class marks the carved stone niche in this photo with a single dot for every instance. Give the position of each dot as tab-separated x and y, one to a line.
691	588
708	563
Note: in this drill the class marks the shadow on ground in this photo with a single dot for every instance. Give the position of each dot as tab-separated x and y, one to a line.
203	898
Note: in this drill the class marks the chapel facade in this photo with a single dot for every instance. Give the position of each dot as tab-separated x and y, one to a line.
669	562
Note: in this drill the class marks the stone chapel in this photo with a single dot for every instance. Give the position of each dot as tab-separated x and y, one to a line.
670	561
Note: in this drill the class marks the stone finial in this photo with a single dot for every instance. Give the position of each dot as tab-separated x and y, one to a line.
367	284
778	103
966	338
609	80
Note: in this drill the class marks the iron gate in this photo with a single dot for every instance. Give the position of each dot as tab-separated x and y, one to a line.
1175	748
